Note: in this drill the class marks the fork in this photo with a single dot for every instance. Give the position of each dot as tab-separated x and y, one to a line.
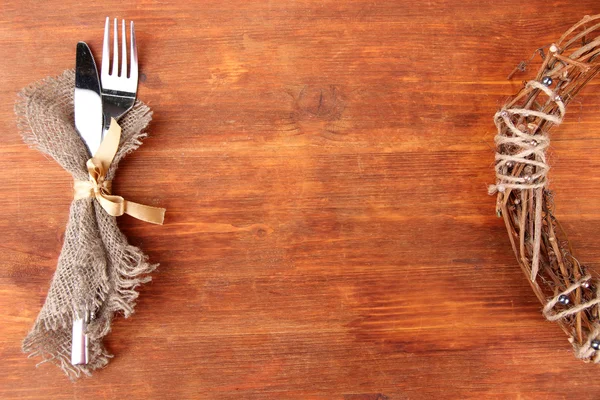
118	89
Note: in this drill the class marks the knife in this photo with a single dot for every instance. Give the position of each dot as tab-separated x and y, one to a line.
87	101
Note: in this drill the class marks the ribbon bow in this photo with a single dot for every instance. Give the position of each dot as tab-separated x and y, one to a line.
100	188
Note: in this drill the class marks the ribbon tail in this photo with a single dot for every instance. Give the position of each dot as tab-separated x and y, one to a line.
117	206
154	215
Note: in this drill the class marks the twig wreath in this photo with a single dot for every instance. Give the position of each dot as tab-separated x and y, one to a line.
571	297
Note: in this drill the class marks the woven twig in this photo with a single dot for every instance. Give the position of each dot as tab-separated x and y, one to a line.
570	295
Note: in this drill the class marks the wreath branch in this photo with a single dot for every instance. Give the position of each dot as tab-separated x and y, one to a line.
568	291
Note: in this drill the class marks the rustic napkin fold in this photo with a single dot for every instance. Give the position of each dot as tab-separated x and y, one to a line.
97	269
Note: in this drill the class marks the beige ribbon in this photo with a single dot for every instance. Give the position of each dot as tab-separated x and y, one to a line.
99	188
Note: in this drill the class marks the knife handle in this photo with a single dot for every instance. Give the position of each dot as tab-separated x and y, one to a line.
79	343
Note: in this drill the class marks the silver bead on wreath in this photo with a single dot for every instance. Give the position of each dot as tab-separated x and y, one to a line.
563	299
547	81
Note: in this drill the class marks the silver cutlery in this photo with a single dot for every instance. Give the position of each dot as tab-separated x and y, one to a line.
96	101
88	122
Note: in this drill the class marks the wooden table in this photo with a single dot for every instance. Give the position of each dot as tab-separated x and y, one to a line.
328	233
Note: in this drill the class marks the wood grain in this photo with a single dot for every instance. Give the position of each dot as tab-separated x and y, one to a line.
324	167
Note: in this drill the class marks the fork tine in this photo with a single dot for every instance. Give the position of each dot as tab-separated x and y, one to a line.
133	65
115	65
123	51
105	54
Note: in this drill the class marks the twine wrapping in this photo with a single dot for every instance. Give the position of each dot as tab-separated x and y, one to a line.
97	269
571	296
530	153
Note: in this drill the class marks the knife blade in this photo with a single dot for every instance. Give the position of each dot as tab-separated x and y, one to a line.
87	99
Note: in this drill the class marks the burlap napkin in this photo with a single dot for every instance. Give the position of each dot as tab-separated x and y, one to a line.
97	269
